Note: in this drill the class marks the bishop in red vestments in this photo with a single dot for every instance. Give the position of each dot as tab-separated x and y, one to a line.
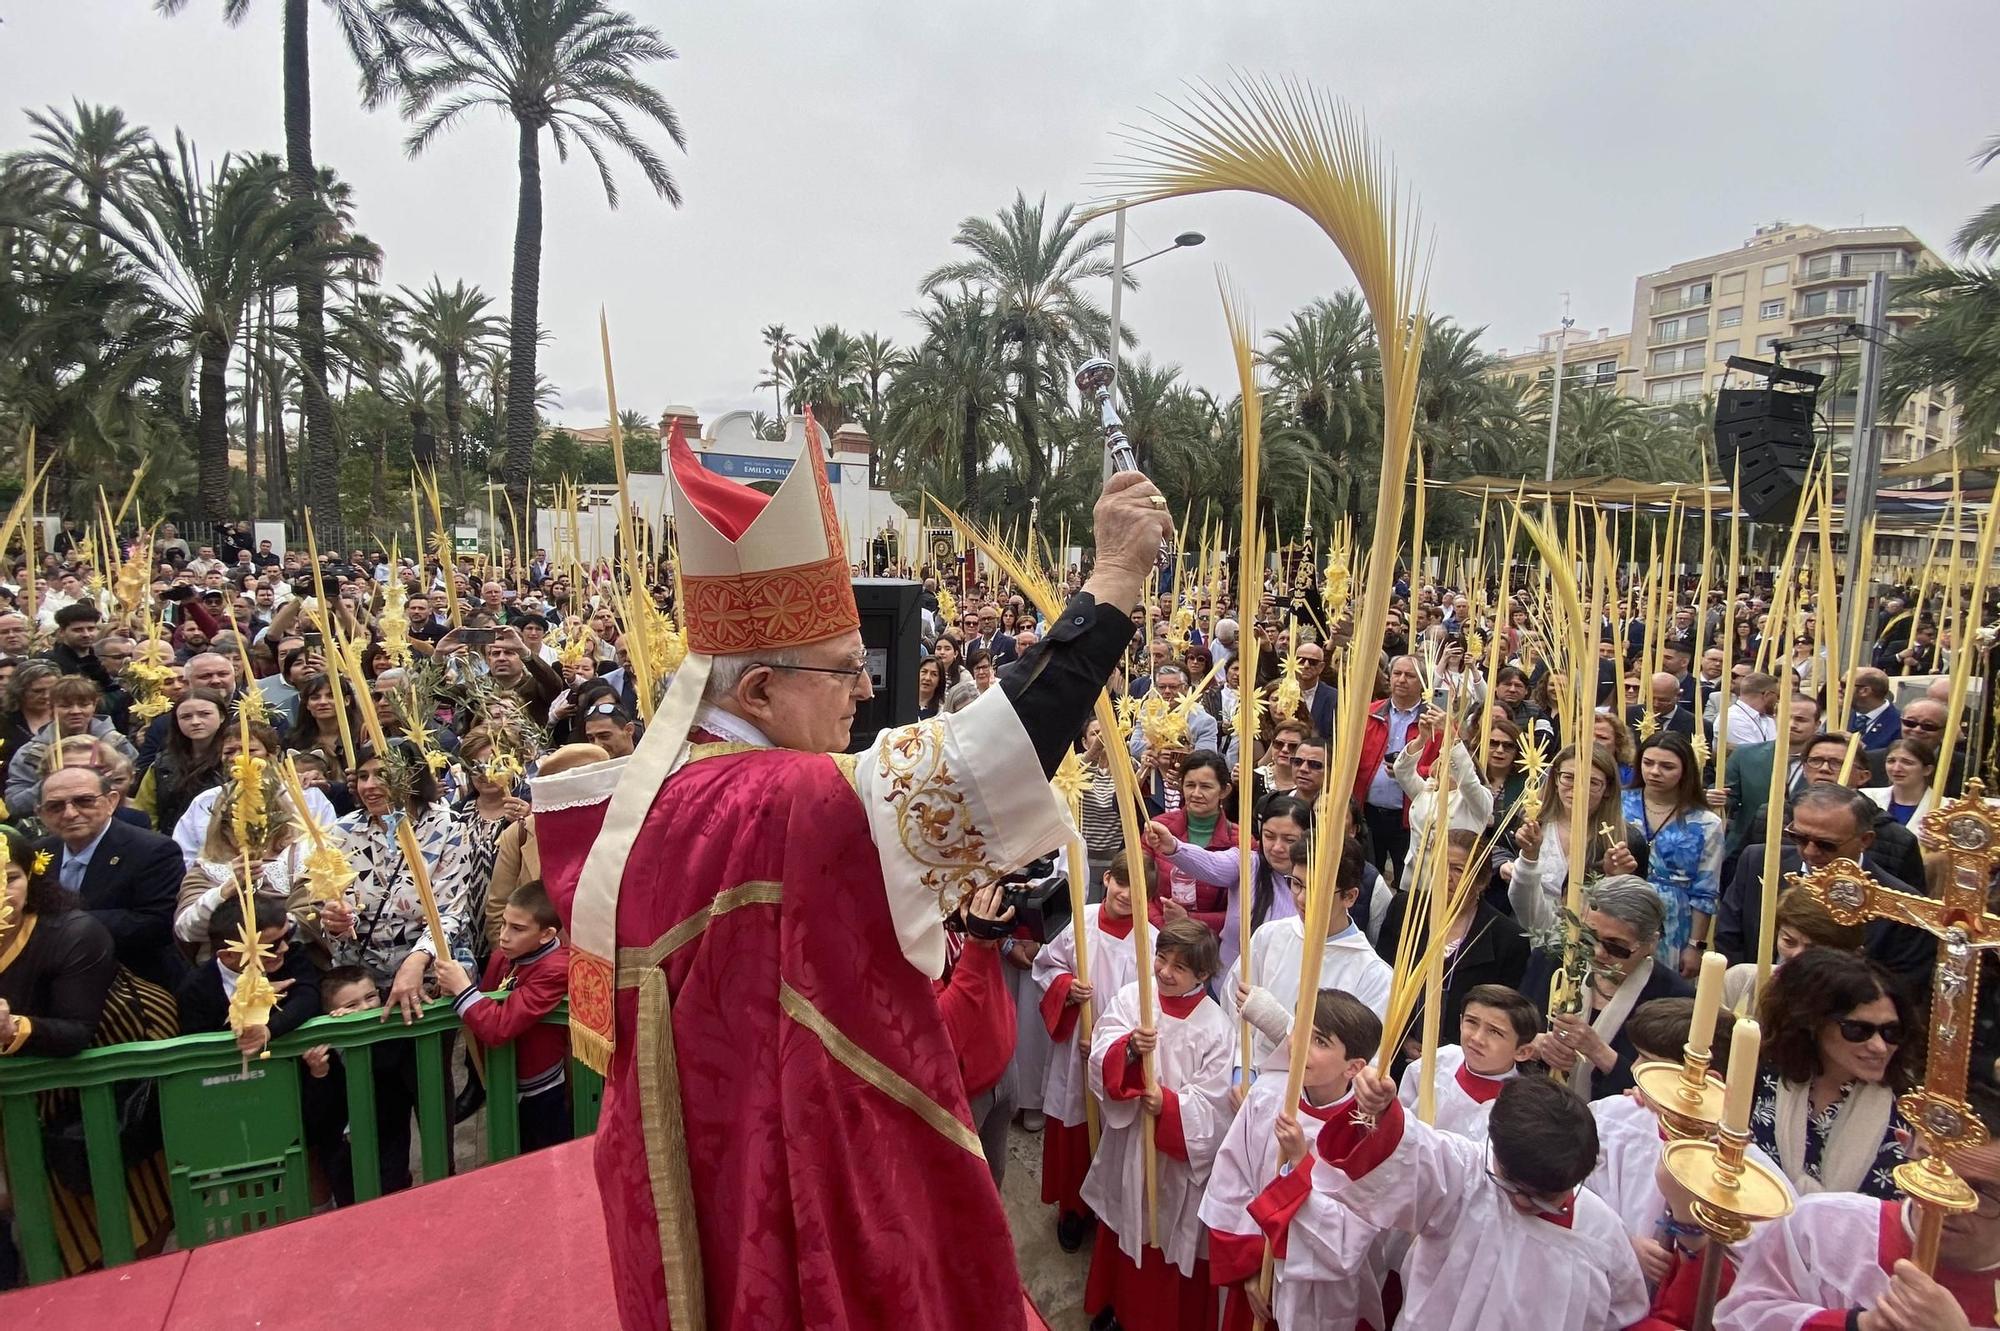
756	921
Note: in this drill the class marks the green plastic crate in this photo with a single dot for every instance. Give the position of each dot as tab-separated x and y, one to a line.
236	1153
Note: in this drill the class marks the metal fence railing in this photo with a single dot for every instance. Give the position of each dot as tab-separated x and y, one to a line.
233	1131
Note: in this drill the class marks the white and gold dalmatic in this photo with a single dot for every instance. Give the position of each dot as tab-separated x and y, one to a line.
755	933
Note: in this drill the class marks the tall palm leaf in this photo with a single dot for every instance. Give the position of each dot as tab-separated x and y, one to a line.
570	68
362	33
1036	268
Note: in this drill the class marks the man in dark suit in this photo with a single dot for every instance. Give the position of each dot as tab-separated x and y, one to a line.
1316	696
1895	846
1829	822
1669	713
205	992
127	877
992	639
1924	719
1875	715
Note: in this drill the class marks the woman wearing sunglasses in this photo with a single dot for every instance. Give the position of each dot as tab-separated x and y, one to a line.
1837	1041
1623	917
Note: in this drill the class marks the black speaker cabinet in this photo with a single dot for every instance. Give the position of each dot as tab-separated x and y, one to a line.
1764	439
889	632
1737	404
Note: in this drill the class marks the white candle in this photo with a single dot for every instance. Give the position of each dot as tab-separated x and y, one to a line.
1707	1002
1742	1087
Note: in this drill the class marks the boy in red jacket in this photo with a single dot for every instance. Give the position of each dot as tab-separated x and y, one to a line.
526	977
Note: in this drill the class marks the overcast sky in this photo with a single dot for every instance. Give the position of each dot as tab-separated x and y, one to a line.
833	148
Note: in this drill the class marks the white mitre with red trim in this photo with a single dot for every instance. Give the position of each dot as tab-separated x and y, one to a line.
759	572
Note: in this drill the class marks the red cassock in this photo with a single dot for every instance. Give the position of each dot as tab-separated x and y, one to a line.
797	1056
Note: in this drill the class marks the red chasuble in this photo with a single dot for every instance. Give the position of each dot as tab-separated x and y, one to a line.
840	1185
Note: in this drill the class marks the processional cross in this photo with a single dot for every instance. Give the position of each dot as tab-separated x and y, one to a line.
1967	832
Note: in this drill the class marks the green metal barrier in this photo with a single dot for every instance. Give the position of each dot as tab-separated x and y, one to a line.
234	1134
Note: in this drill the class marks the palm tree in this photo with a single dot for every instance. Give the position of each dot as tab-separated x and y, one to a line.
84	356
451	326
1326	382
1956	344
781	341
826	377
949	399
1035	269
96	153
413	388
567	67
769	427
876	358
205	247
361	31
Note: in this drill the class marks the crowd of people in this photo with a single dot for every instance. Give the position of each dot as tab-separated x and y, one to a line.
1534	1186
1536	1115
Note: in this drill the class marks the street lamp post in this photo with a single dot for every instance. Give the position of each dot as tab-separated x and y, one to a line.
1185	240
1556	400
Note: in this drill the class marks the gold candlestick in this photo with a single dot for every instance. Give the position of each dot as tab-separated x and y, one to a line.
1730	1195
1686	1095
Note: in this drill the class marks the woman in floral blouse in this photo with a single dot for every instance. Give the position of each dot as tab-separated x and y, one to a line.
1838	1037
384	928
1666	802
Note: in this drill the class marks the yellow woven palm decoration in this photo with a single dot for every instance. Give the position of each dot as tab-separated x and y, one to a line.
1070	779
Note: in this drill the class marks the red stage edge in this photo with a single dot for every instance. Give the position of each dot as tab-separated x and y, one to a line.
488	1248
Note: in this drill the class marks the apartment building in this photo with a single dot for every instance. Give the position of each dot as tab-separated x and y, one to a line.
1590	360
1789	283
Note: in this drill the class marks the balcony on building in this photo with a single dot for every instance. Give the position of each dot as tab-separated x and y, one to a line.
1836	267
1688	296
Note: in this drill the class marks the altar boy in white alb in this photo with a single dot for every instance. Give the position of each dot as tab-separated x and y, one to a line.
1504	1233
1114	963
1327	1262
1349	964
1496	1035
1193	1045
1842	1260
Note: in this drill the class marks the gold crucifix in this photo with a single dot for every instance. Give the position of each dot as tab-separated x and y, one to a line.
1968	833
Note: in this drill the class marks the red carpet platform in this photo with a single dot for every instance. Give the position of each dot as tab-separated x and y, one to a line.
513	1244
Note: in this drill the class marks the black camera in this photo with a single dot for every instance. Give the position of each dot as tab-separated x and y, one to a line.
1039	896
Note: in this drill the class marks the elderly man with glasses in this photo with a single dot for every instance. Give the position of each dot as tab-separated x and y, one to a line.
1829	822
125	876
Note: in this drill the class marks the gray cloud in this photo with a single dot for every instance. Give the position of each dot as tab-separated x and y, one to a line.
834	147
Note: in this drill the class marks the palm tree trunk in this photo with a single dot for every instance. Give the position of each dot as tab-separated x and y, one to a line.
454	435
322	465
518	469
968	456
1032	462
250	439
211	431
277	486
